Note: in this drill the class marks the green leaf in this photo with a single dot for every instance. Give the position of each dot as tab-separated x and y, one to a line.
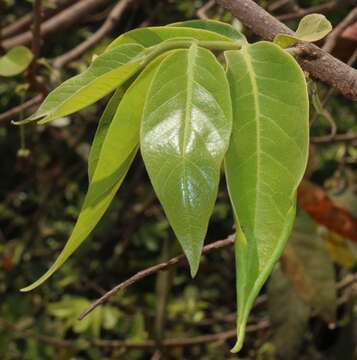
102	130
265	161
107	72
213	26
185	133
121	140
311	28
15	61
151	36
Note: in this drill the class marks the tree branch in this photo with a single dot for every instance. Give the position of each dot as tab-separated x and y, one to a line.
61	21
322	8
337	31
25	21
110	22
317	62
152	270
12	113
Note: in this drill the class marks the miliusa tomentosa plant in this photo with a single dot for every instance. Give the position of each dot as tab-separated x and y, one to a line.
190	114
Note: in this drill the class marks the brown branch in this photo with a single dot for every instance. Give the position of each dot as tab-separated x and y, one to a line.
36	47
147	344
202	11
314	60
331	92
204	339
61	21
2	9
93	40
331	40
36	31
25	21
323	8
152	270
348	137
12	113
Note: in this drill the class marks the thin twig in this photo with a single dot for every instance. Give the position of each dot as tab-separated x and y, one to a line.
323	8
190	341
348	137
332	91
12	113
25	21
36	47
147	344
113	18
202	11
331	40
152	270
66	18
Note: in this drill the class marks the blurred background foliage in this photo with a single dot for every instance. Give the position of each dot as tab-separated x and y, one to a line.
308	310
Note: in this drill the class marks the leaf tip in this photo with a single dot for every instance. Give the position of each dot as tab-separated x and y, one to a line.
27	288
194	265
30	119
240	338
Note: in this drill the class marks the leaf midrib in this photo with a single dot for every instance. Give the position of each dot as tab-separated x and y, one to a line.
255	94
191	57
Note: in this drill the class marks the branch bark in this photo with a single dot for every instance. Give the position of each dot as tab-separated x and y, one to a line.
152	270
25	21
337	31
61	21
317	62
12	113
110	22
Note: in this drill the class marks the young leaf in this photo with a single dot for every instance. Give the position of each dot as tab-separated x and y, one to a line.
311	28
265	161
213	26
107	72
116	155
151	36
185	133
15	61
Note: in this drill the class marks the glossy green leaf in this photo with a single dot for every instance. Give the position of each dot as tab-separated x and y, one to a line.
311	28
265	161
107	72
185	133
15	61
151	36
116	155
213	26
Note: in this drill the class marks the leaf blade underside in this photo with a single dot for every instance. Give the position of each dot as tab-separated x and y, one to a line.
107	72
102	130
265	161
312	27
121	141
184	135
